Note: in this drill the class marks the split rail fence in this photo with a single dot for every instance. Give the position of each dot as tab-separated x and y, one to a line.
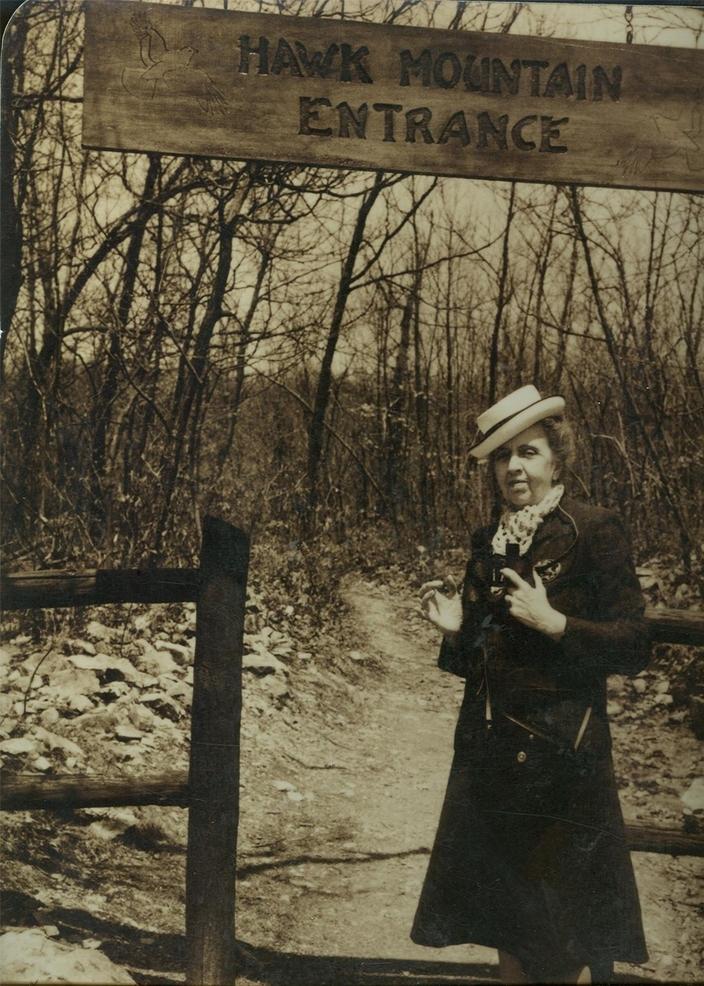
210	788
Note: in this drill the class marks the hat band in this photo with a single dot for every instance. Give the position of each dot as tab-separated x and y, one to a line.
500	424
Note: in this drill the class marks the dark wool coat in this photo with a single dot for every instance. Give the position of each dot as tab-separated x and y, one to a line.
529	855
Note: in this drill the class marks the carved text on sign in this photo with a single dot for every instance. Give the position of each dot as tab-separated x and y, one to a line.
390	122
381	97
347	63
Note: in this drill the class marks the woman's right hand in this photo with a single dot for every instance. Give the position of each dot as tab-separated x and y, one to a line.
442	608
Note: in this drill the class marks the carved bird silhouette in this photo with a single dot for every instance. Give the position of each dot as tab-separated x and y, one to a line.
170	68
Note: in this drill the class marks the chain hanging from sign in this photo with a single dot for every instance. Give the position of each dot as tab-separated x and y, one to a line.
628	14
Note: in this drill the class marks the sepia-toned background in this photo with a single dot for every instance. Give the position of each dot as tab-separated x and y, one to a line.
303	352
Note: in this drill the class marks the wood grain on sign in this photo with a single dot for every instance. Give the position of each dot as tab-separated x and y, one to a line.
345	94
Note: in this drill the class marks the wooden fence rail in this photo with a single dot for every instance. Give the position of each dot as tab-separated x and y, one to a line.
54	587
675	626
32	792
24	792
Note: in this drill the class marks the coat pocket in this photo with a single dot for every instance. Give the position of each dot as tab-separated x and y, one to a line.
523	774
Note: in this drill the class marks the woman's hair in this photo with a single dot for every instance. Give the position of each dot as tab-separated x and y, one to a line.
561	441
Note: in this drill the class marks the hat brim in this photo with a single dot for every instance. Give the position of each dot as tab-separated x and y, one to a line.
516	424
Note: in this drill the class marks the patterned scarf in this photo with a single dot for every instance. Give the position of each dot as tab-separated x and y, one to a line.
519	526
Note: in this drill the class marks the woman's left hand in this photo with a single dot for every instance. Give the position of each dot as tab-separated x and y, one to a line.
530	606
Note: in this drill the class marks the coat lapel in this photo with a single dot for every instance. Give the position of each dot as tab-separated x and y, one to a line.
552	552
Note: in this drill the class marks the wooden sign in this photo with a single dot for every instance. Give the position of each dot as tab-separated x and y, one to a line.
351	95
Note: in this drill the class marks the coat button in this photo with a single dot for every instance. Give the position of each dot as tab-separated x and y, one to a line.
521	756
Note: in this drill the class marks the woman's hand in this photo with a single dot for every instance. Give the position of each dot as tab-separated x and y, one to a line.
444	610
530	605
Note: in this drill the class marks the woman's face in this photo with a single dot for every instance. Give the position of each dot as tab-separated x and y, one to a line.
525	468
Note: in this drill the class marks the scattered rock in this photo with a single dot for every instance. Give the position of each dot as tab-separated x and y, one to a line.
614	708
79	704
83	645
22	746
105	717
156	662
56	742
6	702
276	687
162	706
89	662
141	717
181	654
261	662
30	956
67	684
142	621
21	681
683	594
113	823
6	656
693	801
180	690
693	797
49	717
283	785
127	733
97	631
142	680
357	655
113	691
41	764
639	685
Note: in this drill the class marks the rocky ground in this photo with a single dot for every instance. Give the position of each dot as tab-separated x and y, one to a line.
346	745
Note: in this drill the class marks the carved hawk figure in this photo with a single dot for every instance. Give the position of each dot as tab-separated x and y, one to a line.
169	70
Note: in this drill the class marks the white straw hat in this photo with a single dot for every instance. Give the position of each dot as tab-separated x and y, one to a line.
512	415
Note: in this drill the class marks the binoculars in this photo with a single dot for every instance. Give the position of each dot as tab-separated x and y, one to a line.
512	559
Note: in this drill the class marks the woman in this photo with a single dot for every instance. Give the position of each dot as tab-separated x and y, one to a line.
530	856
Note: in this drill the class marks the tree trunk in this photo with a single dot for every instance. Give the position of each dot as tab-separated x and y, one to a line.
500	302
107	392
11	226
316	430
195	381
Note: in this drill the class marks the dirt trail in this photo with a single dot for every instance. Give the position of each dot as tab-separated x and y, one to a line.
379	801
345	876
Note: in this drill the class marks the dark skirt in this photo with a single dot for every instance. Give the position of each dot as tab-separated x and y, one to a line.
555	889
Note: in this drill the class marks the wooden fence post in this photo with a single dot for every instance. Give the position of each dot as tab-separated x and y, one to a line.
215	752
